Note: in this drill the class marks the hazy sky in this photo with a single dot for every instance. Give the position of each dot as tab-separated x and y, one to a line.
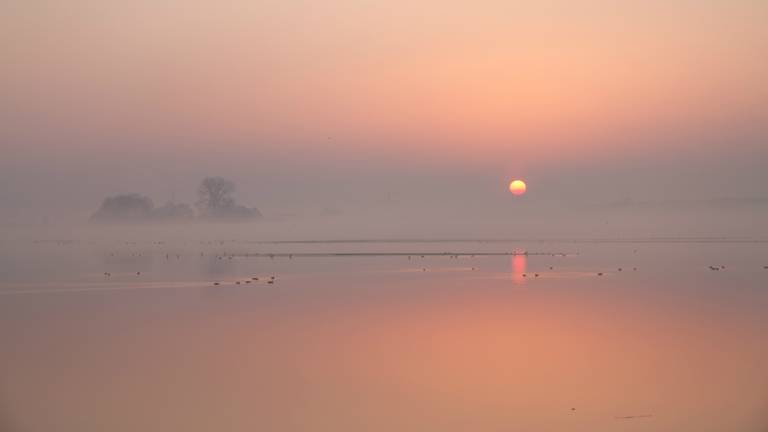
338	105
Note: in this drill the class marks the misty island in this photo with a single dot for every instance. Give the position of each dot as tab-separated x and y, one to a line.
215	202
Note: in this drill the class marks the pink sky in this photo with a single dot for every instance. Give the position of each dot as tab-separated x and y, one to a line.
460	90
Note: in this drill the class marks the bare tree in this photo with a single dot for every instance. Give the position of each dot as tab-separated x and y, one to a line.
215	200
214	194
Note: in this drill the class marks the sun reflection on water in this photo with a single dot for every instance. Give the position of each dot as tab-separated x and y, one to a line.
518	264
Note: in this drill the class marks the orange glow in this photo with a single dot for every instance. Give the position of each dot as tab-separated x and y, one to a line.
518	267
568	80
517	187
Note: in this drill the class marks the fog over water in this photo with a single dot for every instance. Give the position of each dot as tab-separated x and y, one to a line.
572	335
391	121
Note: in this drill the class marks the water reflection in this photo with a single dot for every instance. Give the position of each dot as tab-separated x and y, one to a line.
518	265
341	345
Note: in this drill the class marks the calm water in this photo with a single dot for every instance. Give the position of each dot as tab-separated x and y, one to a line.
384	342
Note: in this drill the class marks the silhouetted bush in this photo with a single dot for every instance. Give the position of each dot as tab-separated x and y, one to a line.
173	211
125	207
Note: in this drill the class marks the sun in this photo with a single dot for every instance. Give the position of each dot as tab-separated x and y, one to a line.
517	187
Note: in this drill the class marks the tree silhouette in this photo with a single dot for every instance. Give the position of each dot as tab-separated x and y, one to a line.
215	200
214	194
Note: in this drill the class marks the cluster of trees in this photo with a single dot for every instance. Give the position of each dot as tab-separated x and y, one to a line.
135	207
215	201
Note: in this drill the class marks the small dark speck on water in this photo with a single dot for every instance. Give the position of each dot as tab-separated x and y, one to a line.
630	417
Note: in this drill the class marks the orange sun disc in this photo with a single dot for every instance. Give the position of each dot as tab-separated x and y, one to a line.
517	187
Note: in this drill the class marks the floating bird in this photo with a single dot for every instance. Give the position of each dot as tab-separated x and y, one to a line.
536	275
216	283
630	417
270	281
599	274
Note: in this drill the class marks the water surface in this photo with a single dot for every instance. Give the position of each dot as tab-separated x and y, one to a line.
387	340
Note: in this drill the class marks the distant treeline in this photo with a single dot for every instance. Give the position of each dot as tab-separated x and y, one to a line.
215	201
